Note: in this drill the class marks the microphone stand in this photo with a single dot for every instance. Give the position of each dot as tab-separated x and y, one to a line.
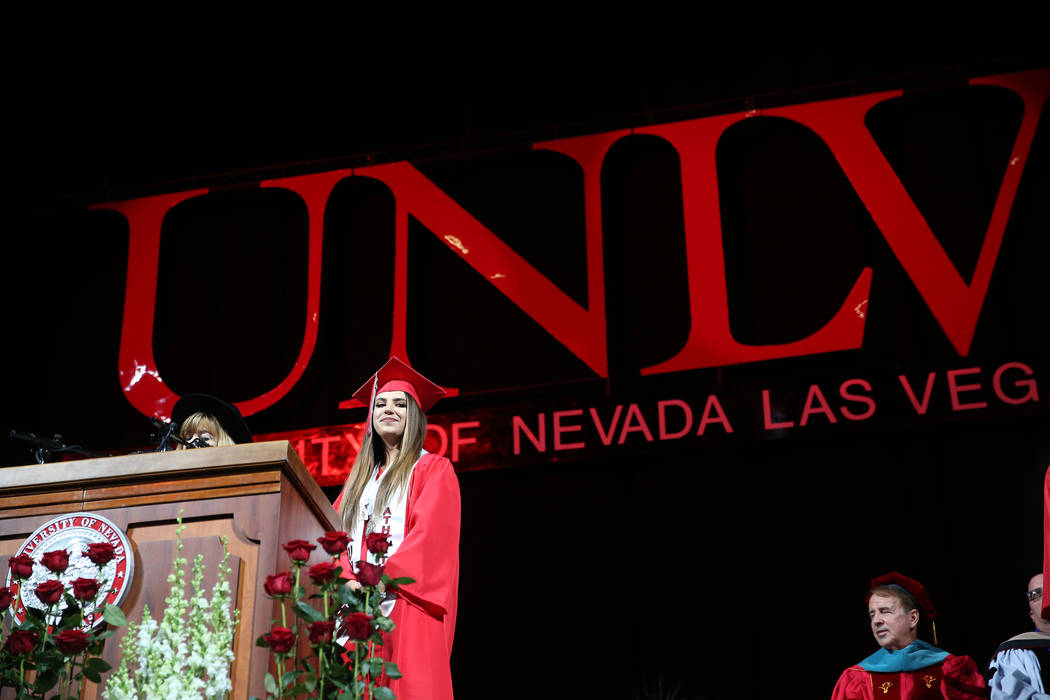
168	432
46	447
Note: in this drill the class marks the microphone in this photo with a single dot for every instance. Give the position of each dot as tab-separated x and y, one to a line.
164	425
165	431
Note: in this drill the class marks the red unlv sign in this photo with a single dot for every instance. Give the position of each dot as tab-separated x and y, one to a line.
954	301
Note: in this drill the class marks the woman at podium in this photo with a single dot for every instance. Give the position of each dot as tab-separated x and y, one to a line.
398	489
206	421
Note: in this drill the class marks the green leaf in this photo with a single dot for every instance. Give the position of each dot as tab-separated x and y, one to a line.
45	679
344	596
402	580
385	623
93	676
287	679
271	684
343	684
261	641
98	664
383	693
307	611
114	615
104	635
392	670
49	657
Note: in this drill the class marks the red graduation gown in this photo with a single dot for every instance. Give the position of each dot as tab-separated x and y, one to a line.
425	612
955	678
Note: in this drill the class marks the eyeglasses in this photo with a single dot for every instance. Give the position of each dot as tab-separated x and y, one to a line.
1034	594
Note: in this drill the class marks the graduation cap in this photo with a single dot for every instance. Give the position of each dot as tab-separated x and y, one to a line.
910	586
228	415
915	590
395	375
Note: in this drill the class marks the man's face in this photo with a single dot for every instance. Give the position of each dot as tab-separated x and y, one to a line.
894	628
1035	607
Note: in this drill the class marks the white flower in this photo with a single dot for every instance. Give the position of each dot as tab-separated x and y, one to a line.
188	654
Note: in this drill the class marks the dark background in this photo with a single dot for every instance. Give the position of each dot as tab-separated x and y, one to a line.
721	569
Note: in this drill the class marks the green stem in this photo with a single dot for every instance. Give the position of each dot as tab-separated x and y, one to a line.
83	679
298	597
357	666
51	610
321	654
371	655
69	676
280	677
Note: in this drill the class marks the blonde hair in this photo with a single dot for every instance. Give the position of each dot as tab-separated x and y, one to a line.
372	454
200	422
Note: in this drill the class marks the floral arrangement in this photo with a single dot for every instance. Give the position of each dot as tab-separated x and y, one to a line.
189	653
60	645
350	613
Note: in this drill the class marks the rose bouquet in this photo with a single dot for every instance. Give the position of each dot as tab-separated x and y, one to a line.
343	634
61	642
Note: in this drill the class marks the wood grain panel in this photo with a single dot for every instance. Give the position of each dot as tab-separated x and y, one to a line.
260	477
178	496
33	499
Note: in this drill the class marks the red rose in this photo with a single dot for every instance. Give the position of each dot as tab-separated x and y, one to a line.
369	574
321	632
50	592
278	585
322	573
71	642
21	566
334	542
85	588
5	598
358	625
21	642
299	550
377	542
57	560
101	553
280	640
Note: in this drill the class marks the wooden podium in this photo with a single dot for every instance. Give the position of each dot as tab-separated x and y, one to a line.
259	495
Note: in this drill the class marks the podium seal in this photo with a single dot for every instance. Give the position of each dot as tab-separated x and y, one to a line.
75	533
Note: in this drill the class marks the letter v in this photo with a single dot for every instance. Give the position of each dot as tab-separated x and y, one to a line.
955	304
606	437
920	408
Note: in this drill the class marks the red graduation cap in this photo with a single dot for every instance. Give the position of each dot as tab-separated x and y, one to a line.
915	589
395	375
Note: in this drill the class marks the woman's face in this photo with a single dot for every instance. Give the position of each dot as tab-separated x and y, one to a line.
205	433
389	414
